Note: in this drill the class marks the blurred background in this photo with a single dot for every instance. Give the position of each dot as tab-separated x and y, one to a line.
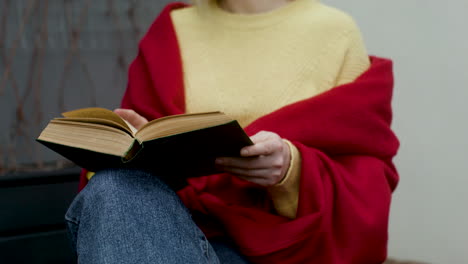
59	55
55	55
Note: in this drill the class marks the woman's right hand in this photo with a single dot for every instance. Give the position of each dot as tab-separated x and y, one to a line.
132	117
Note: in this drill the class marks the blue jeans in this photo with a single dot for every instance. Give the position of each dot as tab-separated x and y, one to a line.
130	216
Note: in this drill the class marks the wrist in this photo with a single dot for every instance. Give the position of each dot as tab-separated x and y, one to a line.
286	159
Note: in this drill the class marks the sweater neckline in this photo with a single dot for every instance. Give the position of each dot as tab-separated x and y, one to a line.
258	20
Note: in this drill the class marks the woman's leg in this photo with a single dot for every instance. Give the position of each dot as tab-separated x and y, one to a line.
130	216
226	252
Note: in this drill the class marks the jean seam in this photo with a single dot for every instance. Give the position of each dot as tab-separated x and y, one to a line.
72	220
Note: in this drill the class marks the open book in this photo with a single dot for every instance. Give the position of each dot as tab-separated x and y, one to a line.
97	138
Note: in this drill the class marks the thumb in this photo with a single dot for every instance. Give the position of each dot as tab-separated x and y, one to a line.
132	117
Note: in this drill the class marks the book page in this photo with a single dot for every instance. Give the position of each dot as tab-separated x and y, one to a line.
175	124
99	121
100	116
90	136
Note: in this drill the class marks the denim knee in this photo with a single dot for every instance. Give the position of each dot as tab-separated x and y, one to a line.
128	211
124	185
105	186
125	180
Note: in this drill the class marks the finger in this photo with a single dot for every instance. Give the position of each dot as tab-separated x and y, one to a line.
259	162
257	173
257	180
127	114
266	147
262	136
132	117
263	176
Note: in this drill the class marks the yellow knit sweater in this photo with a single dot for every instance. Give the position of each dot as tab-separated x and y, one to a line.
250	65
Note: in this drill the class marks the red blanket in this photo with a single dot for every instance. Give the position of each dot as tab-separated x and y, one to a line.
346	145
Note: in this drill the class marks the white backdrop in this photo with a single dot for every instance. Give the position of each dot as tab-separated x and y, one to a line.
428	41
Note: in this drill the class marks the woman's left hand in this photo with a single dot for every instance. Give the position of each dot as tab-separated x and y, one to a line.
264	163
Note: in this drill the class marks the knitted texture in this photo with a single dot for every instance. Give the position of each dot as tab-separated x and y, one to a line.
250	65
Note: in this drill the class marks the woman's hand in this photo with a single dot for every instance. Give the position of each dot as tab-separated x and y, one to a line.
132	117
265	163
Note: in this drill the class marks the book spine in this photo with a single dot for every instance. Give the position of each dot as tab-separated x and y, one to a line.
133	151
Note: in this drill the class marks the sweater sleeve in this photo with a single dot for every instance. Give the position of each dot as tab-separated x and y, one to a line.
285	194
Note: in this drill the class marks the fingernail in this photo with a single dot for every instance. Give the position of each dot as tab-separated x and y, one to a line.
244	152
219	161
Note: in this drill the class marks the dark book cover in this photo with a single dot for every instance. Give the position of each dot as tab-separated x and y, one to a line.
173	158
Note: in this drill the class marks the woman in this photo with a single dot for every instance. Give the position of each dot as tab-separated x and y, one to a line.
316	185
